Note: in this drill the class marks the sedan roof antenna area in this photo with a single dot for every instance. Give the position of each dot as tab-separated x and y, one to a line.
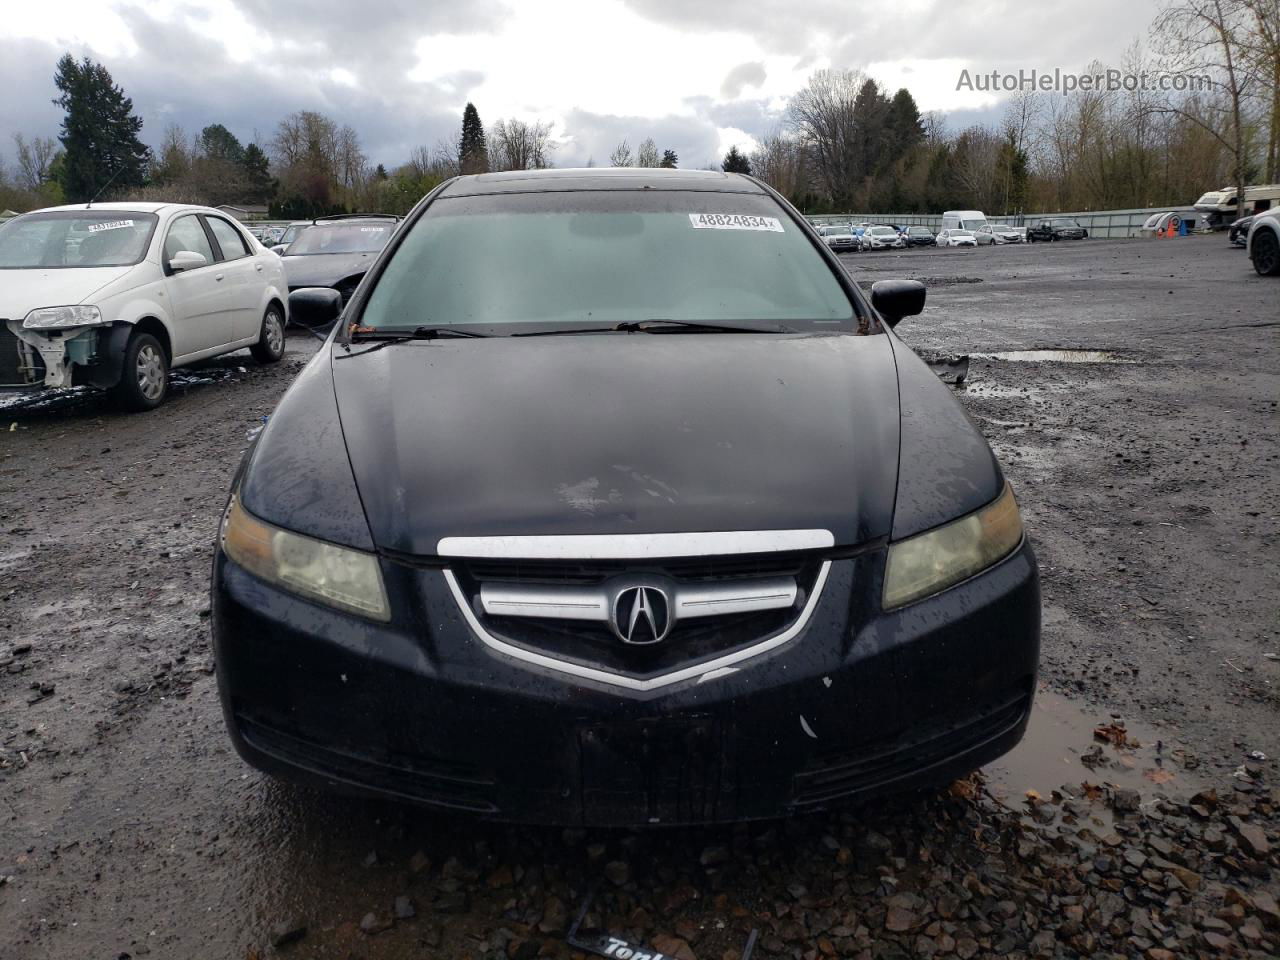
102	190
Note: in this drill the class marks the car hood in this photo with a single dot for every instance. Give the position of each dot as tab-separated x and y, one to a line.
324	269
621	433
22	291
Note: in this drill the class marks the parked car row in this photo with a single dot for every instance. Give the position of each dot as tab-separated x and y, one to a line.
856	238
960	228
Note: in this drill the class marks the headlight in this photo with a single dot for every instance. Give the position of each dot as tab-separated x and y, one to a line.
935	560
53	318
337	576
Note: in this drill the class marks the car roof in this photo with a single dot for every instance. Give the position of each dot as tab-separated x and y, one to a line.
600	178
139	207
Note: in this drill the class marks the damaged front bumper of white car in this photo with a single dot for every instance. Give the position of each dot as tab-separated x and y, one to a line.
61	347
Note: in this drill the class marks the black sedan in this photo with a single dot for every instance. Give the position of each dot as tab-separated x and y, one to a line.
1059	228
693	536
919	237
336	252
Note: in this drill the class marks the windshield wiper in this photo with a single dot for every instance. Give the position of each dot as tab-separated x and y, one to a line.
660	325
657	326
389	335
397	334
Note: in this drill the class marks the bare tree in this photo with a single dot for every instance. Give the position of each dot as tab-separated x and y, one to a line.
621	156
175	156
648	154
823	114
519	145
1262	50
34	158
350	163
1203	38
781	162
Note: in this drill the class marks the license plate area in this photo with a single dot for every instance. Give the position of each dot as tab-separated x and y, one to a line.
651	771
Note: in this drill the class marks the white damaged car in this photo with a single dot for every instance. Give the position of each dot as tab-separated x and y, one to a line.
113	295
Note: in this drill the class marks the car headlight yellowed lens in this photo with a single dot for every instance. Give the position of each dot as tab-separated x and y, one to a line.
933	561
337	576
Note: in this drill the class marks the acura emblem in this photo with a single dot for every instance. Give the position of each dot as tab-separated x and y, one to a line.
641	614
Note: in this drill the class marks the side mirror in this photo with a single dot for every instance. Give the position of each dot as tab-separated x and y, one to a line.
278	249
895	299
315	306
187	260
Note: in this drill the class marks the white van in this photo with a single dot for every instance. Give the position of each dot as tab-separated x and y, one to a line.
964	220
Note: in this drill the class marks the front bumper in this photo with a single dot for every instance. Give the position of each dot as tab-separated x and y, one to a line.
64	357
860	703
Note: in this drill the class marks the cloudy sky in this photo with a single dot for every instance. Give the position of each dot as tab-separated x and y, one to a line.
696	75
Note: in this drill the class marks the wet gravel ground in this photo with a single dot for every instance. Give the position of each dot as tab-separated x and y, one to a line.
1141	816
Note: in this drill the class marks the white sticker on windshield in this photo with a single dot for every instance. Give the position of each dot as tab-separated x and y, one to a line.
734	221
110	225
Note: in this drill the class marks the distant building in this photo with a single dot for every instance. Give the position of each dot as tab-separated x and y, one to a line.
245	211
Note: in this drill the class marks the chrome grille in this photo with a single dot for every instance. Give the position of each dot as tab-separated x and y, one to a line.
561	609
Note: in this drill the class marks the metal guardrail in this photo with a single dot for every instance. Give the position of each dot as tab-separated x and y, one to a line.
1099	223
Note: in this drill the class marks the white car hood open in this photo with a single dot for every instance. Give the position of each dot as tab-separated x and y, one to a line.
22	291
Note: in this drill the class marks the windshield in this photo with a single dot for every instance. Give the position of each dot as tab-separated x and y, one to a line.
344	238
291	234
838	231
884	231
593	258
73	238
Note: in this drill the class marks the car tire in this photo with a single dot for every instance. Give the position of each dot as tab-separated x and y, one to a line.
1265	253
144	378
270	345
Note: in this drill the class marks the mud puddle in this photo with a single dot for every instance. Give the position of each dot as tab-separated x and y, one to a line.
1087	754
1055	356
67	399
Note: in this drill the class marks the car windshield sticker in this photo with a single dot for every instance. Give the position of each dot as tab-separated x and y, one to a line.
734	221
110	225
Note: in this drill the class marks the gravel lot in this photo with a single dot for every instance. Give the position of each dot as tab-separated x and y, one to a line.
1149	484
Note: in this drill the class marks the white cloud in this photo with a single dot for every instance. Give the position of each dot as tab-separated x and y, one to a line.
700	76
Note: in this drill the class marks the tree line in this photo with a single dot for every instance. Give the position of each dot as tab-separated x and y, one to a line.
845	143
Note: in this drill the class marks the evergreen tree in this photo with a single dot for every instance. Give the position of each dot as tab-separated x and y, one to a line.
219	143
380	172
473	152
259	182
669	159
99	132
735	161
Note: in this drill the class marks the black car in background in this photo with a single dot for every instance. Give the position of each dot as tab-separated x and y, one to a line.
613	500
336	251
918	236
1056	228
1238	235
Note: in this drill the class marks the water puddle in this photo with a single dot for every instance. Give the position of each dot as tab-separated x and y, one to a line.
64	399
1086	754
1055	356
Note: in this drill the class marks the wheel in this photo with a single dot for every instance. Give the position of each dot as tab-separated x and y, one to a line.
1266	253
270	345
144	377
